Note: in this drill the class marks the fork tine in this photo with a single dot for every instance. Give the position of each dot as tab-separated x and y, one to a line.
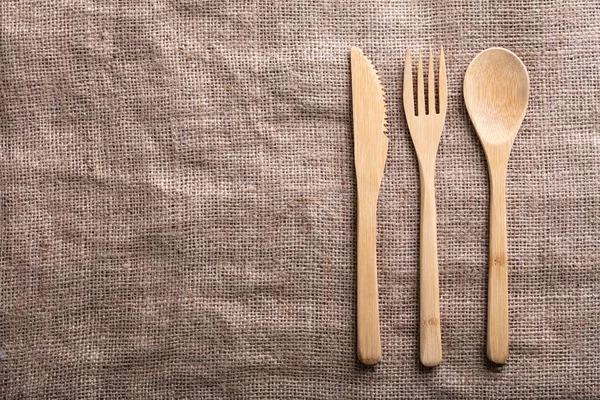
443	83
409	97
431	84
420	88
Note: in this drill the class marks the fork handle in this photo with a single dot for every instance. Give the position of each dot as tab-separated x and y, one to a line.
367	298
497	334
430	332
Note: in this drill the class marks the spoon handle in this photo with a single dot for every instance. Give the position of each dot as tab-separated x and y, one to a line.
497	335
429	307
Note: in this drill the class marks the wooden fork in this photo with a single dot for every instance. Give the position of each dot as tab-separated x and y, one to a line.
426	130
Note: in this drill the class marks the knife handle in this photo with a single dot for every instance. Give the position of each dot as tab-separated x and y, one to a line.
367	309
429	307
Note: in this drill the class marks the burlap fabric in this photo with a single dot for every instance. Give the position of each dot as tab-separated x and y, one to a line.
178	201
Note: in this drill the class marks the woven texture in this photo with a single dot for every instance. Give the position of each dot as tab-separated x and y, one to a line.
178	201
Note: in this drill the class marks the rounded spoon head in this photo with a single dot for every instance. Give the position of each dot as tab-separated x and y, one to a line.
496	91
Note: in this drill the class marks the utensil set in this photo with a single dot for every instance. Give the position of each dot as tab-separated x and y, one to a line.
496	91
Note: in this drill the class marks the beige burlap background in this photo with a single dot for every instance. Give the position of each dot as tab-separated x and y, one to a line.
178	201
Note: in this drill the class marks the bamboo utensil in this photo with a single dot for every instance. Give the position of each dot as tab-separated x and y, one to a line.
496	92
370	152
426	130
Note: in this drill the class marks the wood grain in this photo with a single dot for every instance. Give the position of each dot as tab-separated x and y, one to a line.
496	92
370	152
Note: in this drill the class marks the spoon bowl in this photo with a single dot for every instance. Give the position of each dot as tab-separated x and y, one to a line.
496	91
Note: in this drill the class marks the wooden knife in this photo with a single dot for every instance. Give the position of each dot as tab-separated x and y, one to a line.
370	152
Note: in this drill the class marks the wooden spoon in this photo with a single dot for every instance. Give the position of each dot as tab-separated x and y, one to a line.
496	91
